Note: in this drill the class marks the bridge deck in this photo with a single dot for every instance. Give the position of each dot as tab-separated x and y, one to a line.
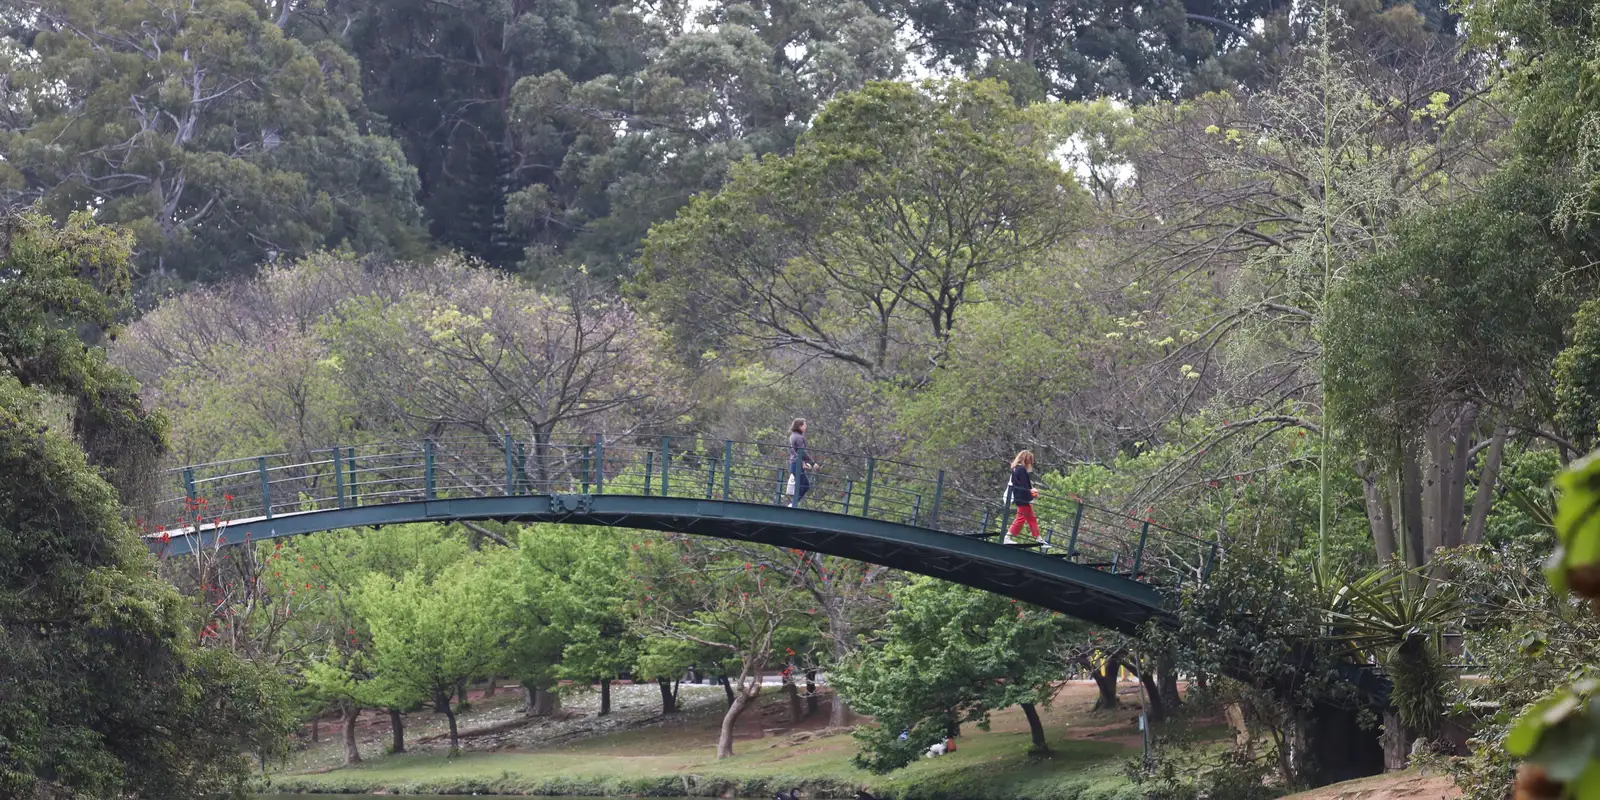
1091	563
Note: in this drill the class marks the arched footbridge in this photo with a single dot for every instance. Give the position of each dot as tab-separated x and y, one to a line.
1104	567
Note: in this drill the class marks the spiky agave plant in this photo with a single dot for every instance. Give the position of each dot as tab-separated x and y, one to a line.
1396	617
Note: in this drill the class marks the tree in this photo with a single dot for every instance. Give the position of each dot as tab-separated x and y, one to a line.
1256	630
217	140
344	679
575	581
687	594
1149	53
950	655
867	243
330	635
700	91
104	687
1460	318
485	354
1577	378
1557	734
442	76
428	636
1075	51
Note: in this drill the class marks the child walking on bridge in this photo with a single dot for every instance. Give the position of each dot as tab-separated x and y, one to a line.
1021	492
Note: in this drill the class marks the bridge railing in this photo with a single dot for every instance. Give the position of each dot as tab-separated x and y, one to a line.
274	485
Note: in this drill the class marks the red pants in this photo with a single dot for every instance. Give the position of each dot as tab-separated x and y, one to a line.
1024	514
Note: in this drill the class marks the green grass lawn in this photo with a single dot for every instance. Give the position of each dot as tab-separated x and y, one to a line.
1086	763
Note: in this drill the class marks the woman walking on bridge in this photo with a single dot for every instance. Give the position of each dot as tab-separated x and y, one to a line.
799	462
1021	492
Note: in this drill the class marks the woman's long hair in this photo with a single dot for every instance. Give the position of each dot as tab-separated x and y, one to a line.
1024	459
795	426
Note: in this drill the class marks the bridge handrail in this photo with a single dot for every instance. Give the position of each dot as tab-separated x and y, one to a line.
696	466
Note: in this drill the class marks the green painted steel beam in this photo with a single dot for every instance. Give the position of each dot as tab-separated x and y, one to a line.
1090	594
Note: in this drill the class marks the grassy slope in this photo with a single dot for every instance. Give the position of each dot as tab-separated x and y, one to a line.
679	759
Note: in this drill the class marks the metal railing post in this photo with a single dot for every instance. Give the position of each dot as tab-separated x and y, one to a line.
188	487
649	469
583	482
727	468
711	477
266	487
599	465
983	527
427	469
511	470
866	493
1138	555
777	494
849	492
938	494
1211	558
666	462
338	478
1077	520
916	509
355	484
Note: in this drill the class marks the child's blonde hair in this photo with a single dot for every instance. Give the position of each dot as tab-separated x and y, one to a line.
1024	458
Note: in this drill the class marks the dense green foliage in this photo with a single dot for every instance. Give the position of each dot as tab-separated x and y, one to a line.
950	655
216	139
1320	288
106	690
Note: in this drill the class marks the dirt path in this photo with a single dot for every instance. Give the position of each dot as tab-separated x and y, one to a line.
1398	786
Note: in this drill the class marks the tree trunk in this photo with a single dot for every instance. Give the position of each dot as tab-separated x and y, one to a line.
1380	514
1036	728
728	688
1396	742
1411	508
1487	477
605	697
669	696
352	755
1435	471
546	703
735	708
1455	486
1105	679
795	708
1167	681
839	714
1242	740
442	702
1155	710
527	701
397	726
316	725
811	692
488	688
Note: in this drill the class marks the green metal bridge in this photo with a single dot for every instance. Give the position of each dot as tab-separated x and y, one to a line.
1101	566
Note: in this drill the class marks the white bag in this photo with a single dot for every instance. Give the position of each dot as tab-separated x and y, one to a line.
790	489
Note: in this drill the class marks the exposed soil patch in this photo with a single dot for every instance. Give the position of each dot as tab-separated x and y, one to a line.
1398	786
